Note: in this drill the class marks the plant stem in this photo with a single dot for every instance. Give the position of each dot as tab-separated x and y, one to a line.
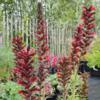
65	93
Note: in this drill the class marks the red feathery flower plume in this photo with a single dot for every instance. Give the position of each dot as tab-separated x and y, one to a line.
42	45
84	34
25	73
18	45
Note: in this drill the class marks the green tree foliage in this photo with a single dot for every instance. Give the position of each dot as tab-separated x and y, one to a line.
55	10
6	61
63	10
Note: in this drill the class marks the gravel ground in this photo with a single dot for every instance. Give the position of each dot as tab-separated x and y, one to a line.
94	88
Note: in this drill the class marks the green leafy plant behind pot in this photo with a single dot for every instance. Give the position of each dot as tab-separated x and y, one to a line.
93	57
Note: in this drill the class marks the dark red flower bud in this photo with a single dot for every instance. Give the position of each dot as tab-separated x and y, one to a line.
90	26
92	7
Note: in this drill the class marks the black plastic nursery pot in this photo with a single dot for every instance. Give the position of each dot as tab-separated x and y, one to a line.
95	72
57	92
85	68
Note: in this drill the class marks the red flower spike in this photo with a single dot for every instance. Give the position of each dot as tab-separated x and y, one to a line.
83	34
63	73
42	47
24	70
18	45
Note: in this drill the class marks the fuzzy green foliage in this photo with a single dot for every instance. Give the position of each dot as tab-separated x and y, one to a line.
93	57
9	91
75	86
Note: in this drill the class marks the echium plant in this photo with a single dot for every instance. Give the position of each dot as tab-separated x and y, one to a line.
81	41
64	74
18	45
88	20
42	48
25	73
